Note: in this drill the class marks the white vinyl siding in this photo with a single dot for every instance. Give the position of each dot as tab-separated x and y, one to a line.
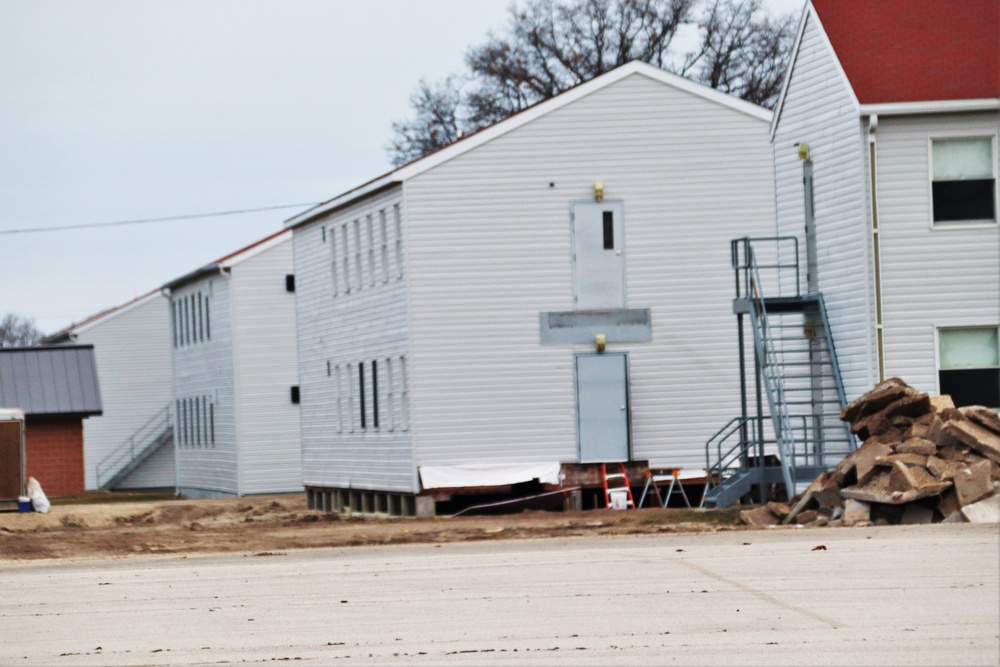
265	355
366	324
819	110
133	354
206	369
488	247
931	277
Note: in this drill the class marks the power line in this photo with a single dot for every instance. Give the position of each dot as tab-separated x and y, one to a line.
27	230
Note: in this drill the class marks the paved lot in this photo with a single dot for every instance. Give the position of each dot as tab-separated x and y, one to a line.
918	595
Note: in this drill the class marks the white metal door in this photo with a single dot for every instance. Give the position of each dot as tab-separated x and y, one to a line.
602	407
598	259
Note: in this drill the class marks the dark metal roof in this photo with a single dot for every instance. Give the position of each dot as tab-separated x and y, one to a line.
50	380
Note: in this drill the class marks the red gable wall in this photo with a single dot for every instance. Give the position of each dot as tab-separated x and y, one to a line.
916	50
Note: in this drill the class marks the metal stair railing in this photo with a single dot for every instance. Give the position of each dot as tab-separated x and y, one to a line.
852	440
736	457
136	448
770	370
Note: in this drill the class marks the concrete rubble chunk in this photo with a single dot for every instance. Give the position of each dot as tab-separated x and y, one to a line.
856	511
908	459
920	427
939	436
954	452
909	478
973	483
942	402
826	490
955	517
758	516
804	501
779	510
875	400
943	468
806	517
976	437
948	503
862	461
878	489
985	511
984	417
920	446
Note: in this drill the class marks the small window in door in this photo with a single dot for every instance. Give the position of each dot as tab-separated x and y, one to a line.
609	230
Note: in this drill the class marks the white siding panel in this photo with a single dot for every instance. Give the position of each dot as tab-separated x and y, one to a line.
265	366
206	369
156	472
347	328
133	354
930	277
489	248
819	110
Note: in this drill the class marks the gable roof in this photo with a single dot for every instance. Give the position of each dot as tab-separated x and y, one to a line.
232	259
904	51
523	117
67	333
57	380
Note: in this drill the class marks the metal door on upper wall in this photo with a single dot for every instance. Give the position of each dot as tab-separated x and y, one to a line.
598	257
602	407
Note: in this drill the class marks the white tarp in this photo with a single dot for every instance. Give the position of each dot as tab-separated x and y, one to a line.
500	474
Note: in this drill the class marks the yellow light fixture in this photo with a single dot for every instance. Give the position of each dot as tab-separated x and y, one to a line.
803	151
598	190
601	341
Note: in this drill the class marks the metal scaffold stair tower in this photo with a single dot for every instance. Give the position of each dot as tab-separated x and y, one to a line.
790	429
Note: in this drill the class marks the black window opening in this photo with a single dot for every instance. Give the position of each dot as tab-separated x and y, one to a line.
955	201
971	386
609	230
361	391
289	282
374	394
295	395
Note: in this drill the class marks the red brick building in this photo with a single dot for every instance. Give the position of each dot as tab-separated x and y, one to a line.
56	387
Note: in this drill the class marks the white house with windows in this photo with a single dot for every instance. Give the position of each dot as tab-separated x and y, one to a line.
897	106
235	386
449	312
130	445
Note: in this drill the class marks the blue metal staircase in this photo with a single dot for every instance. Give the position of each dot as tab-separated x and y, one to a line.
796	432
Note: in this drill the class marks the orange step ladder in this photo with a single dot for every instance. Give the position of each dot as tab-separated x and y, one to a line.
618	496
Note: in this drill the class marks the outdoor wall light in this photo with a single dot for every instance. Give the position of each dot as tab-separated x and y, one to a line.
601	341
803	151
598	190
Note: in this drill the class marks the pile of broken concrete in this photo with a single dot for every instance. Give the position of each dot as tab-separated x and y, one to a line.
922	461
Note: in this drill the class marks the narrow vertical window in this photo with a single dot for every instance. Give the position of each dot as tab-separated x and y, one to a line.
339	400
178	428
187	421
398	222
357	254
211	422
334	268
374	393
404	395
370	229
609	230
208	320
385	245
361	395
390	417
173	322
204	419
184	321
350	397
346	253
192	337
201	319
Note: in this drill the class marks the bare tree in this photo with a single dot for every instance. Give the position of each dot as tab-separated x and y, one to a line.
17	331
552	45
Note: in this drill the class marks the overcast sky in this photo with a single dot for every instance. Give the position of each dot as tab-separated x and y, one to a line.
130	110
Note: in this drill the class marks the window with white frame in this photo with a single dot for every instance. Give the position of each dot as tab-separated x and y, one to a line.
969	365
963	180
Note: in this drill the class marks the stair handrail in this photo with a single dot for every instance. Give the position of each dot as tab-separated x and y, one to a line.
149	433
837	379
